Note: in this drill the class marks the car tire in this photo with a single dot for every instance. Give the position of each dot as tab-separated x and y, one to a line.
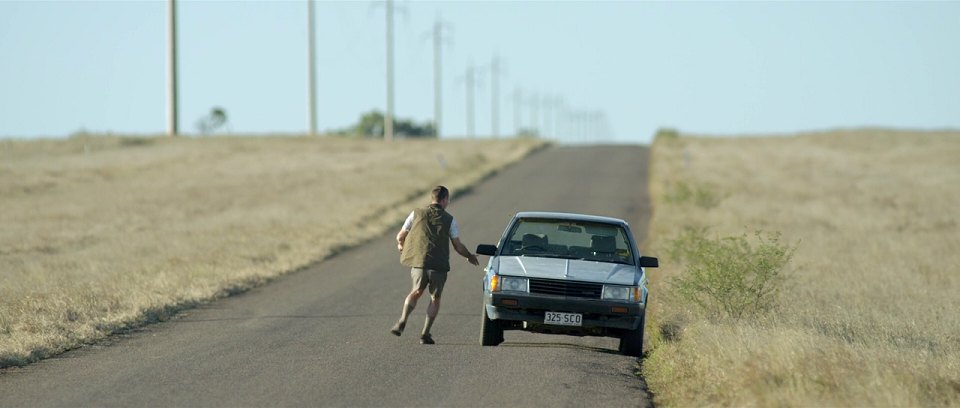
631	341
491	333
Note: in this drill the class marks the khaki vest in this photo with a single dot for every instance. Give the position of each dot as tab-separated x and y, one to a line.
427	244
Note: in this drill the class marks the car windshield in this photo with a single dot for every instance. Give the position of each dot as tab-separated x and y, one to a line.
569	239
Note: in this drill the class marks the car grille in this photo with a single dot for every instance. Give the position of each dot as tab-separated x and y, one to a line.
565	288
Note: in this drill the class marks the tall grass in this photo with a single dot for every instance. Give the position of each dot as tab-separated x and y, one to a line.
104	233
867	312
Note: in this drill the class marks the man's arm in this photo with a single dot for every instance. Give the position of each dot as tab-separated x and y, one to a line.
462	250
401	237
404	230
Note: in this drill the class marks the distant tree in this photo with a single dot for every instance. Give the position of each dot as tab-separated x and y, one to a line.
409	128
667	134
213	121
528	133
371	125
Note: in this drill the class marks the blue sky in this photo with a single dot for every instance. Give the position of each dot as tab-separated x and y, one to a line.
705	67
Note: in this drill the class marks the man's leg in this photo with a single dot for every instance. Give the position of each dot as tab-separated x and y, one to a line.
419	285
409	304
431	316
437	281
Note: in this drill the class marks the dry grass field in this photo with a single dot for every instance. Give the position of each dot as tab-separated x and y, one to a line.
869	314
100	234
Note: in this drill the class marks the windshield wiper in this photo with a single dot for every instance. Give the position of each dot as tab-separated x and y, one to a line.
552	256
603	260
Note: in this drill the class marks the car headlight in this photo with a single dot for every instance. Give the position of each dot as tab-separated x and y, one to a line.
512	284
611	292
625	293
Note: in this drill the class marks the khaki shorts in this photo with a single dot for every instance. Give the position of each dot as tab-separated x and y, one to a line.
422	278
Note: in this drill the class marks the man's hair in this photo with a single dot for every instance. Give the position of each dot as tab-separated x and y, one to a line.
439	193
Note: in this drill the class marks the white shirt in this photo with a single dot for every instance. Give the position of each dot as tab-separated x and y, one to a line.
454	229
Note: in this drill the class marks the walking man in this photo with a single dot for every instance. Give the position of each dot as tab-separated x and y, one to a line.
424	244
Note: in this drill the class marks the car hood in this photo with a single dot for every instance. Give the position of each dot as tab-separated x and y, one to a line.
568	269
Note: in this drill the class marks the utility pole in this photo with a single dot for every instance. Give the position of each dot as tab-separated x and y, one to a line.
582	123
560	118
517	102
388	118
535	113
172	68
437	76
495	91
470	85
437	82
312	73
547	116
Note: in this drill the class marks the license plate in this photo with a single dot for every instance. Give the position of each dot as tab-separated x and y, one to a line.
563	319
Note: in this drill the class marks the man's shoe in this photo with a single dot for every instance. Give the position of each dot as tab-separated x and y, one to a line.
397	329
426	339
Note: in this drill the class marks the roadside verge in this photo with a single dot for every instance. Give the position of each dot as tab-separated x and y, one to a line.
103	235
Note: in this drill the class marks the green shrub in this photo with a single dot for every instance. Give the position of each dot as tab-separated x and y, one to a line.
667	134
728	277
701	195
136	141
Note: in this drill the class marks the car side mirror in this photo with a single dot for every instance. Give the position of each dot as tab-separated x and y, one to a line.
488	250
649	262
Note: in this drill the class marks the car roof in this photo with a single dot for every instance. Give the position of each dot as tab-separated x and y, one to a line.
570	216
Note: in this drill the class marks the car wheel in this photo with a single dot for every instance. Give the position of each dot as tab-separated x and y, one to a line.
491	334
631	341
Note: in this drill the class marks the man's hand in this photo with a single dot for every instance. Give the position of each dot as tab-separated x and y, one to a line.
401	237
462	250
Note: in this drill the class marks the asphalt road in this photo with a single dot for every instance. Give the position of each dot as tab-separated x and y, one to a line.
320	336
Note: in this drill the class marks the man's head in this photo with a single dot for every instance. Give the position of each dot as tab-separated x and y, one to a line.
440	195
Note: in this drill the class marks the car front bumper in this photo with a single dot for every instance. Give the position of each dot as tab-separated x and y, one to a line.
531	308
